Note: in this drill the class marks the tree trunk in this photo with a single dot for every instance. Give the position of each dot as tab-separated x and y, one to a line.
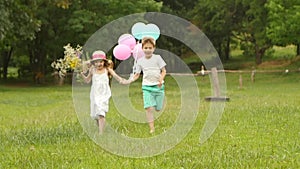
219	50
227	48
37	60
259	52
258	59
6	58
298	49
258	55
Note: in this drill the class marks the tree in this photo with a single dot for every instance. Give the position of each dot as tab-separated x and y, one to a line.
49	41
283	22
65	21
218	20
245	20
252	32
19	23
179	8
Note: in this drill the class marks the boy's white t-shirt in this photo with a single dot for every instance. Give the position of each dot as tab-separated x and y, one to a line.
151	68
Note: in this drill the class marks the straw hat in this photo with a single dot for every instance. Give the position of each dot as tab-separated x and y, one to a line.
98	55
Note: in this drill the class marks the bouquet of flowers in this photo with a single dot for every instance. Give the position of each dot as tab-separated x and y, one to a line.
70	62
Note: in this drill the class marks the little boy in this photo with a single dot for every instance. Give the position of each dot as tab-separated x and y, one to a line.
154	72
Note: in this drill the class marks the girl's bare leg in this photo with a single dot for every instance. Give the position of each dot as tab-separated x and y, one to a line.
101	124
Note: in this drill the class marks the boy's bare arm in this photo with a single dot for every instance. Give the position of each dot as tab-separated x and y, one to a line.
134	78
162	74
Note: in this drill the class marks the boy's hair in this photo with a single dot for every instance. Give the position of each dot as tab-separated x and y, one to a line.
148	40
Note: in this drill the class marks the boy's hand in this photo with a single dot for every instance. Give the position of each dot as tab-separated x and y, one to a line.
160	83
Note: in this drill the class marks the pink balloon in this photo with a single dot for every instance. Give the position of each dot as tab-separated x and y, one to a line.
127	39
122	52
138	52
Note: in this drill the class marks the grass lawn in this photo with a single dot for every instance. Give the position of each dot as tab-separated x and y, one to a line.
259	128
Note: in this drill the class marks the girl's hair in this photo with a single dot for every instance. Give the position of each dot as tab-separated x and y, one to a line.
110	64
148	40
106	63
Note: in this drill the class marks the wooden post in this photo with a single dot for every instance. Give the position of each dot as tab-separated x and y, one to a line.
253	76
214	73
241	81
216	86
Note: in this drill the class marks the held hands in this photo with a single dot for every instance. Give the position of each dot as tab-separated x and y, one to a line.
126	82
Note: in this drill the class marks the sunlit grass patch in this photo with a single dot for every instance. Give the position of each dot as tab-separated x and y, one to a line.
259	128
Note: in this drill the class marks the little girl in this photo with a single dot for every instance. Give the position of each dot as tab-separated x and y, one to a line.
100	90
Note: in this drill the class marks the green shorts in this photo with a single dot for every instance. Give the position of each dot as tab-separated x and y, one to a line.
153	96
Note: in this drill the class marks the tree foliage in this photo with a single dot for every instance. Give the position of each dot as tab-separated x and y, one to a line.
18	24
283	22
38	29
218	20
59	22
224	21
253	31
180	8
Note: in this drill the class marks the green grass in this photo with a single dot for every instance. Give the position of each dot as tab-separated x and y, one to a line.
284	52
259	128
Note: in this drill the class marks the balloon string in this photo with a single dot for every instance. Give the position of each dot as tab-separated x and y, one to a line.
135	62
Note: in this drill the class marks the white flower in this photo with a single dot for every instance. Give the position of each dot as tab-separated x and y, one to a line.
70	62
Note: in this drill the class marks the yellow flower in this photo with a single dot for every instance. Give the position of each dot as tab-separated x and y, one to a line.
71	60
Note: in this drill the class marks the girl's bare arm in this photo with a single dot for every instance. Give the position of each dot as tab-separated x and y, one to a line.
115	75
87	78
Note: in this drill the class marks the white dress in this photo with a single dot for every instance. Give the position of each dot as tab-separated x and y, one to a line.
100	94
